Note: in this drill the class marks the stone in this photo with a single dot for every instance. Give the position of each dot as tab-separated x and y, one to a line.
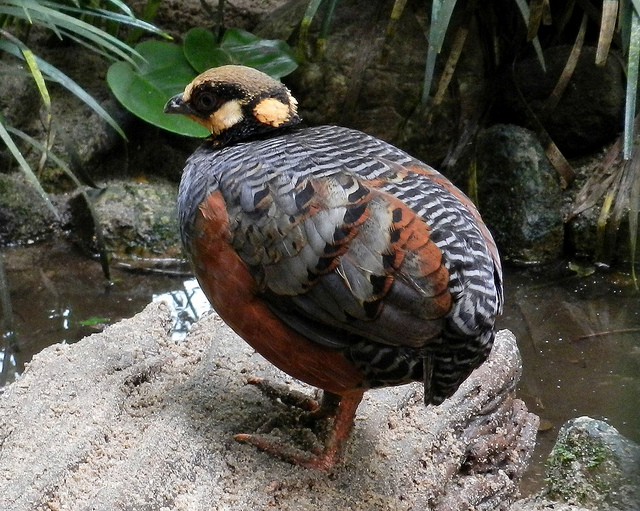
138	220
593	465
128	419
519	195
590	111
24	216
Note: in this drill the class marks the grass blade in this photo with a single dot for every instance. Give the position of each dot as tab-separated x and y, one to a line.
632	82
26	169
536	10
305	23
396	12
524	10
324	28
607	28
97	226
441	11
450	66
555	96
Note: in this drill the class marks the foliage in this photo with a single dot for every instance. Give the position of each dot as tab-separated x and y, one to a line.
167	68
79	22
64	21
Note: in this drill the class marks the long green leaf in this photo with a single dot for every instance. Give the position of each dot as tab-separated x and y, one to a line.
632	83
56	159
441	11
305	23
123	7
102	248
26	169
58	76
524	10
30	59
122	19
48	16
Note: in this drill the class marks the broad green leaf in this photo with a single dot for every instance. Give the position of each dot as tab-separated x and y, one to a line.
144	92
240	47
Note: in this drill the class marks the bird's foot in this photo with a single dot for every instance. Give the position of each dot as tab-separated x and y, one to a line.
316	458
318	429
282	393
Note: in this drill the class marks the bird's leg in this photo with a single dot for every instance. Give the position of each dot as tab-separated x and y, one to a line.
343	408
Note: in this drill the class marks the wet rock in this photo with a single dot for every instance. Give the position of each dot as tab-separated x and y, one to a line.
24	217
589	112
595	466
129	419
366	82
138	220
519	195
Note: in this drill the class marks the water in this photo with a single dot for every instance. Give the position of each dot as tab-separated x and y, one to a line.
579	336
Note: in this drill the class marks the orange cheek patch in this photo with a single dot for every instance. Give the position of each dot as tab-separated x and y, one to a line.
272	112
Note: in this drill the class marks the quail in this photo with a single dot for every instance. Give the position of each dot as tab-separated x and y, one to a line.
343	260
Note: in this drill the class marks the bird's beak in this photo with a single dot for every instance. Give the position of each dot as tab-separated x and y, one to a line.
176	106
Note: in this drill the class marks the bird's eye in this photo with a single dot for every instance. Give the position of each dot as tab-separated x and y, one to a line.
206	102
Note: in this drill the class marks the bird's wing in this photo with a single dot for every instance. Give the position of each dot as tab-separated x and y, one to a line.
337	256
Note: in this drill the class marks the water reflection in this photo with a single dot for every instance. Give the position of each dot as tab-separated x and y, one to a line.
186	304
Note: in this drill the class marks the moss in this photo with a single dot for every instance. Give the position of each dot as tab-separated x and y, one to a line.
581	469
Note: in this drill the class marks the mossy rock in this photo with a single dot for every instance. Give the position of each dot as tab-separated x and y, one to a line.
594	466
138	220
24	217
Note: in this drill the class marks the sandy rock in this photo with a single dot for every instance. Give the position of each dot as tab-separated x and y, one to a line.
129	420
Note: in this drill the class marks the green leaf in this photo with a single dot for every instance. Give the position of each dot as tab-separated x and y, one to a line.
93	321
144	92
30	59
239	47
632	83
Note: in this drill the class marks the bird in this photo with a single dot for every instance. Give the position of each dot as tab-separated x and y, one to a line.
340	258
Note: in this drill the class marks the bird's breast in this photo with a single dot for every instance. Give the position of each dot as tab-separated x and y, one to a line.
232	290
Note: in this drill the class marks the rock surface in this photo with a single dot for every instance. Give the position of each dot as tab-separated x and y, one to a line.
138	219
519	195
24	217
587	114
129	420
594	465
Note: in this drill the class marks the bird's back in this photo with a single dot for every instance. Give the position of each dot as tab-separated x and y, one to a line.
358	247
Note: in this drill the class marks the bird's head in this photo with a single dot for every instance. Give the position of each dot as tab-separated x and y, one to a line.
235	103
